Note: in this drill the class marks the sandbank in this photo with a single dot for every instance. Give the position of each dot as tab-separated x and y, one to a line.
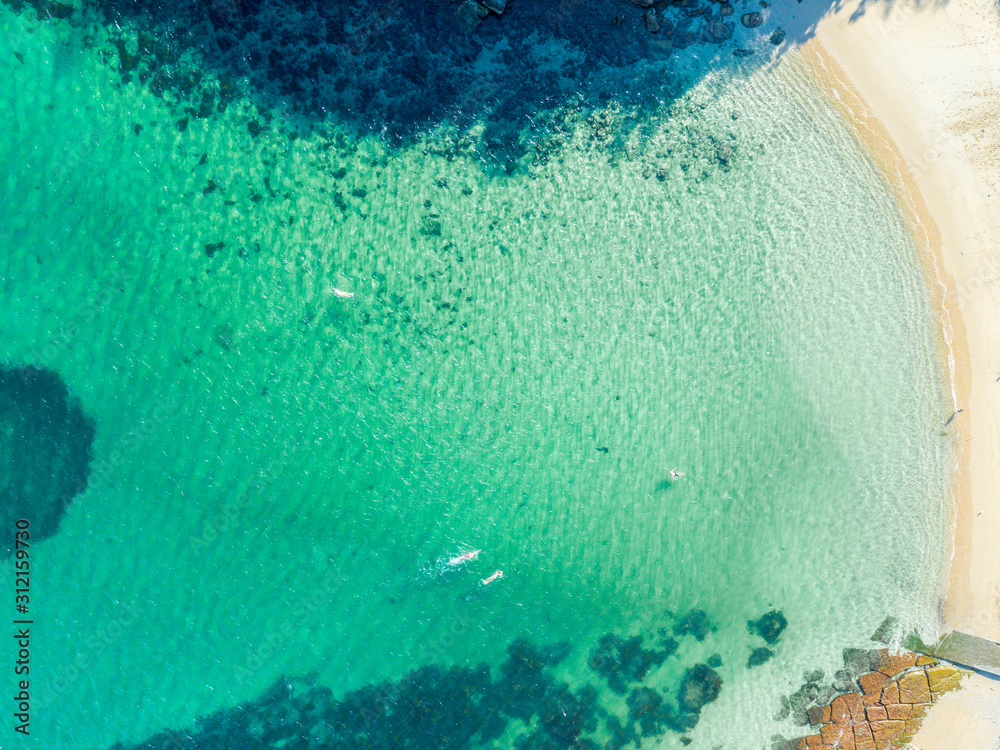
920	82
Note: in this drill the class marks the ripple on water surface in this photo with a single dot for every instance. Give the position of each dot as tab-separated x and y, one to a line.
281	475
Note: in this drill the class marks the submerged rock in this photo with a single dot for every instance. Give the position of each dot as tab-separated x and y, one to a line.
456	708
683	39
801	700
887	630
825	695
624	660
620	735
804	696
652	25
678	721
752	20
694	623
469	15
758	657
843	682
523	684
769	627
857	661
701	686
718	32
566	715
784	710
434	707
644	707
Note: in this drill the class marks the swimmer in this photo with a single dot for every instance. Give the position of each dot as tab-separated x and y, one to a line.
459	559
492	578
342	294
675	475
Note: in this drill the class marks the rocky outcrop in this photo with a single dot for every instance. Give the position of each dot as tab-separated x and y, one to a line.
469	15
885	705
651	23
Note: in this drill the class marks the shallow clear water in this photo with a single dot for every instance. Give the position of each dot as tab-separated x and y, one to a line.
281	474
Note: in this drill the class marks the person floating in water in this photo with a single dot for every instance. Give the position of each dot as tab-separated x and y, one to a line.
675	475
342	294
492	578
465	557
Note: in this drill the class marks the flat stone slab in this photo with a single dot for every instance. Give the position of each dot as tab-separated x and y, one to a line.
961	648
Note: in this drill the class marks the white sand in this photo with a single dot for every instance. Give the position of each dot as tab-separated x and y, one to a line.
965	720
921	82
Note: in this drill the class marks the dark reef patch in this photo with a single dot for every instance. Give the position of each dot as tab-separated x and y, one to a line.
701	686
43	8
45	450
458	707
769	627
759	656
621	661
398	71
694	623
384	67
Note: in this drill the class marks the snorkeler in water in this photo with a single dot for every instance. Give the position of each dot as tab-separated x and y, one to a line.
342	294
465	557
497	574
675	475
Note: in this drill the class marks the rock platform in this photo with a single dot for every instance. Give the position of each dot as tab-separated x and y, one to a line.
887	710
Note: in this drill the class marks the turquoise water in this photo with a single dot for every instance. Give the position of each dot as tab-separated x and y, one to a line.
280	474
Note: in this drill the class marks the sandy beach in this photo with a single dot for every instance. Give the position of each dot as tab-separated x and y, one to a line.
918	81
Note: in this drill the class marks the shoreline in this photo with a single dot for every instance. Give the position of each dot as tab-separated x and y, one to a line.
914	81
951	338
945	197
